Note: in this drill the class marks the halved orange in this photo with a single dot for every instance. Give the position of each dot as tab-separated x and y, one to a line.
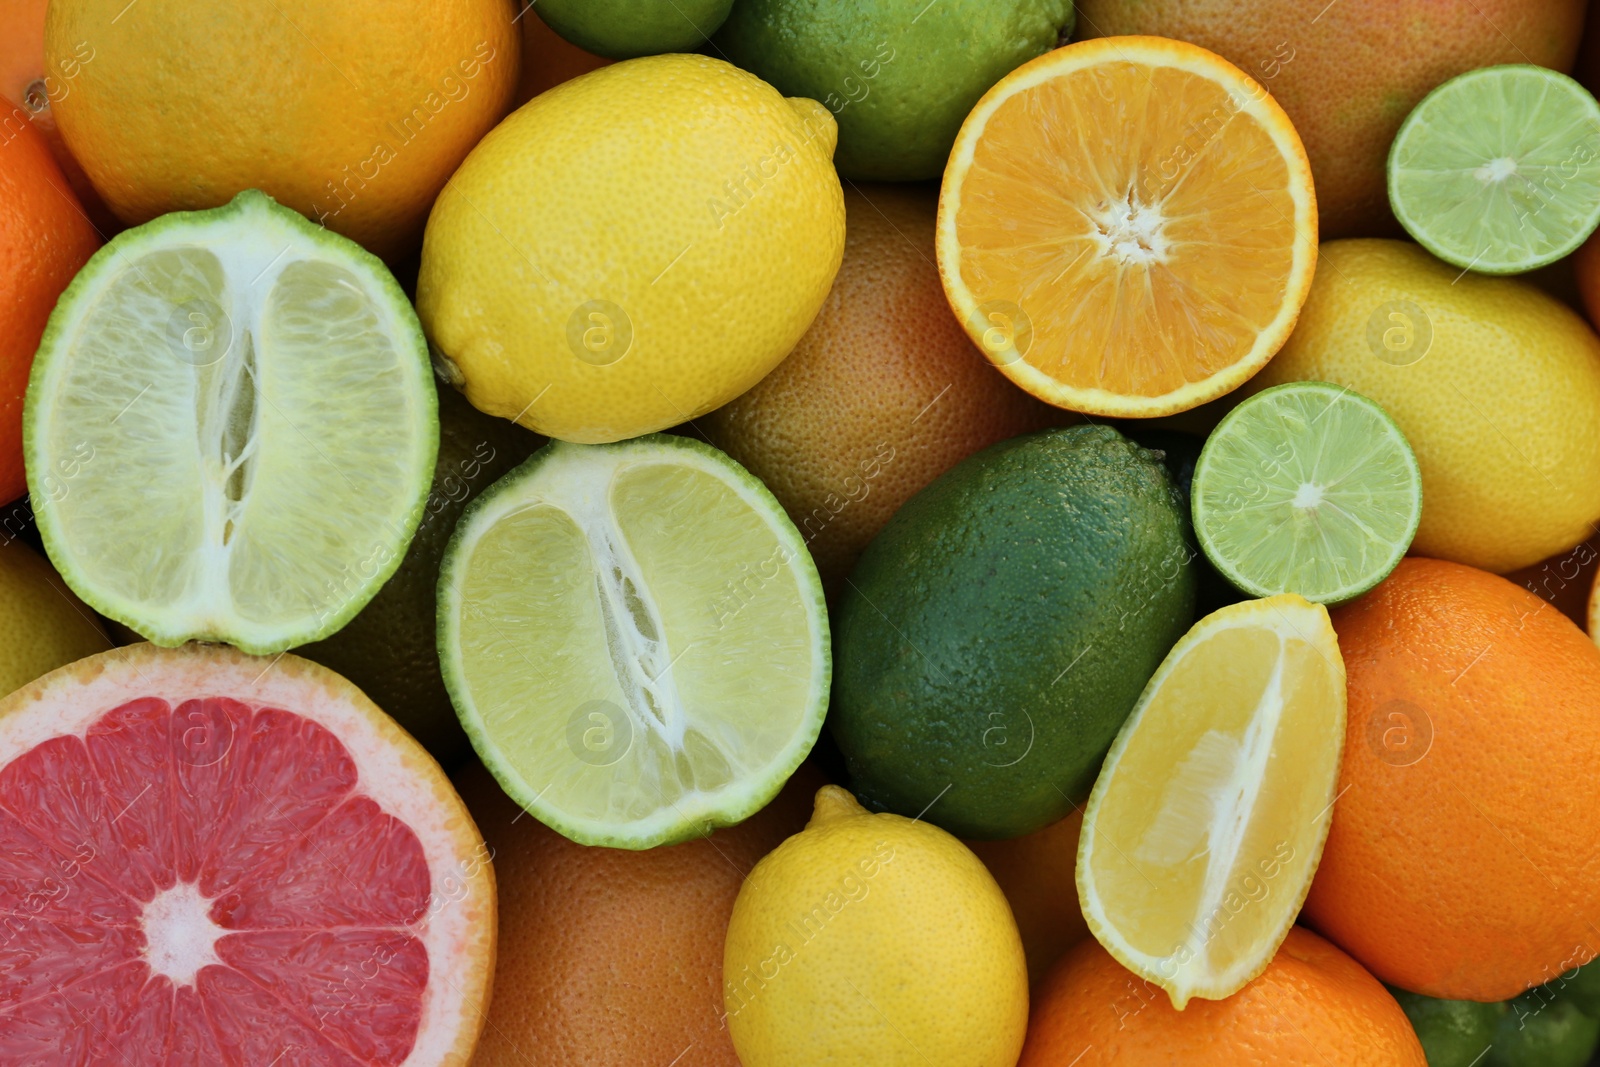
1127	226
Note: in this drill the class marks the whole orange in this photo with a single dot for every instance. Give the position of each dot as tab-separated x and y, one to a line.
611	958
354	114
1348	72
1038	874
883	394
1464	857
1312	1005
548	59
44	238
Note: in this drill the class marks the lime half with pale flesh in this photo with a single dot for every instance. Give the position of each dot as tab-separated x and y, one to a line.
1498	169
635	639
1306	488
230	428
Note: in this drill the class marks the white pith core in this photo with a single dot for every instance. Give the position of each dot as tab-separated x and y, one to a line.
1129	230
1496	170
227	394
1308	496
635	636
179	936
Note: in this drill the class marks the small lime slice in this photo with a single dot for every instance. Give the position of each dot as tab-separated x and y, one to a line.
635	639
1498	169
230	428
1306	488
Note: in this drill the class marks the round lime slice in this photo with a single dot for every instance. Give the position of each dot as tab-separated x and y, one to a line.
635	639
1498	169
230	428
1306	488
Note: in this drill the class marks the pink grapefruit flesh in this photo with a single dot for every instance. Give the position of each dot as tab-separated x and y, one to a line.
212	859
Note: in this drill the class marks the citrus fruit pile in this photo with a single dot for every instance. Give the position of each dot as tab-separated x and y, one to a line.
798	532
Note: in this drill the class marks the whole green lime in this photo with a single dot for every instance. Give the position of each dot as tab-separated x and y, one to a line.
1453	1033
898	75
997	632
1538	1030
389	650
625	29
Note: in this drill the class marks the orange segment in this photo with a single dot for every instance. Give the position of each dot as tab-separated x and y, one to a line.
1127	226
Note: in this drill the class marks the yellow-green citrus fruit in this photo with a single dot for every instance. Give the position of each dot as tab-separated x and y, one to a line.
633	248
42	624
873	940
1495	384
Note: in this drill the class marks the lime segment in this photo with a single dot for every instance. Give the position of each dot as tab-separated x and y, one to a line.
1498	169
231	426
1306	488
635	639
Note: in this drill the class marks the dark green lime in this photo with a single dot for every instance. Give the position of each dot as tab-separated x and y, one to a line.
624	29
1581	985
898	75
389	650
1179	453
1540	1029
997	632
1453	1033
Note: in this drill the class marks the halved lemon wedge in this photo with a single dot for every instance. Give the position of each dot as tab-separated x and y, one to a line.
1207	821
1127	226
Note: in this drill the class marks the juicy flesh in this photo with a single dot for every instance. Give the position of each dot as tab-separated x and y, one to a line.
258	422
1140	219
205	884
1310	492
664	605
1211	823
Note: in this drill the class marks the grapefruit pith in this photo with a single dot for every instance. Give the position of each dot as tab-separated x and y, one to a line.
212	859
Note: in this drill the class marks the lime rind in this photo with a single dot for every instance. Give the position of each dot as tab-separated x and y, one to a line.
535	483
345	563
1307	488
1498	169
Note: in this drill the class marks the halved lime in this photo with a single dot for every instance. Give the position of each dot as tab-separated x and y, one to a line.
230	428
635	639
1306	488
1498	169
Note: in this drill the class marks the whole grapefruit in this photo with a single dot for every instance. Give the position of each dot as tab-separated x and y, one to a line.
1464	857
354	114
1348	72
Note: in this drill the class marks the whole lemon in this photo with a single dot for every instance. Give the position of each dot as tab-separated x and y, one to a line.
874	940
633	248
1495	384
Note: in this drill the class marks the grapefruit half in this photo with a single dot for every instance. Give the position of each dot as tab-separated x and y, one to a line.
212	859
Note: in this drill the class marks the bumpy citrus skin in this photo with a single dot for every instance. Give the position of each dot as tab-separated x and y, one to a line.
884	392
352	114
1348	74
873	941
1313	1004
1000	628
611	957
1464	858
1495	385
899	75
722	223
623	29
42	624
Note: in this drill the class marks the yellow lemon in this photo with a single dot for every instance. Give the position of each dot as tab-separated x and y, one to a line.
633	248
1495	384
874	940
